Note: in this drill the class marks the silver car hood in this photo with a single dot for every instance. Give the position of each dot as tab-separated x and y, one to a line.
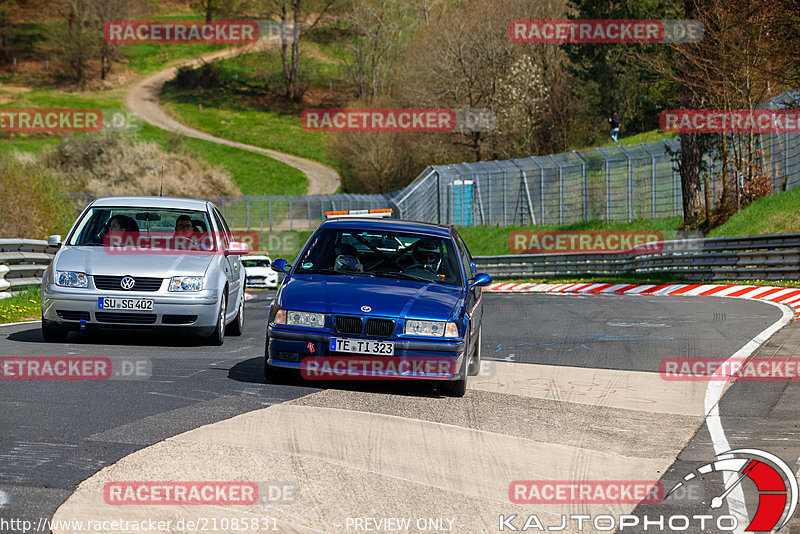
96	260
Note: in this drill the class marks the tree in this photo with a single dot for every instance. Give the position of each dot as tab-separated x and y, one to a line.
379	30
296	18
521	96
77	44
6	29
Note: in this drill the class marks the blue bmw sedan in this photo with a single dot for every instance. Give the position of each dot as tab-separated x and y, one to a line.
378	299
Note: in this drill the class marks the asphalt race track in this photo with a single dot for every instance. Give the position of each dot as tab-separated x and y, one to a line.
569	390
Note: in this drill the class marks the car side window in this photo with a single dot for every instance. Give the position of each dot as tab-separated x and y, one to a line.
465	257
223	228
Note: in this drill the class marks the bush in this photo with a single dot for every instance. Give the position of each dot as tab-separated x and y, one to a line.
205	77
35	204
112	164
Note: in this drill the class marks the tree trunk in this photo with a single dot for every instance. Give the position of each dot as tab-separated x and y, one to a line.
690	178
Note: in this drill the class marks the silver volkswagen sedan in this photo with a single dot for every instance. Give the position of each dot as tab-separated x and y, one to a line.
149	263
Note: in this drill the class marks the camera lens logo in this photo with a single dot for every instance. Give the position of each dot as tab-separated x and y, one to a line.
127	283
774	481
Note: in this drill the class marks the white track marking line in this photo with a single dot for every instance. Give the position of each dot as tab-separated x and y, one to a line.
736	504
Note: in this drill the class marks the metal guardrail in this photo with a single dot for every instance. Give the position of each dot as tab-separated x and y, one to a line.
22	263
766	257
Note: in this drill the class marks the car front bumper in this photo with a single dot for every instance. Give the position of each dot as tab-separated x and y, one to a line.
287	348
78	309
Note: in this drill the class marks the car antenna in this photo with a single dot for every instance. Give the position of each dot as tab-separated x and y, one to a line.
161	192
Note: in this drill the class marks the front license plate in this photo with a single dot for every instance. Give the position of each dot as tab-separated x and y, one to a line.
362	346
114	303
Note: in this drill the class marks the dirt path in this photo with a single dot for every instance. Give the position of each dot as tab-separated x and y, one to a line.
143	99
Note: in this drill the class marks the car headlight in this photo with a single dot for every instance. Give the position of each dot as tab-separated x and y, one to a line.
186	283
71	279
430	328
299	318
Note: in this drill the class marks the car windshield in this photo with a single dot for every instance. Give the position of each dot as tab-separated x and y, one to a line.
100	222
383	254
255	263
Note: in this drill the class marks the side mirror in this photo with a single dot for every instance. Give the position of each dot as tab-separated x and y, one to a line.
54	240
280	265
236	248
480	280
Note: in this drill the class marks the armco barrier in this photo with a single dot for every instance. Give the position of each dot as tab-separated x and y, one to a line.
22	263
767	257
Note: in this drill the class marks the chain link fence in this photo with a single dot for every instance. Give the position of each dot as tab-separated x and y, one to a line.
615	183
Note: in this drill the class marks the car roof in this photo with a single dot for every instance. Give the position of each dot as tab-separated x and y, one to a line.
392	225
151	202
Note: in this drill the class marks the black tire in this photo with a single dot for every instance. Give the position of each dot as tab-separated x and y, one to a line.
458	387
217	337
475	362
277	375
236	328
53	334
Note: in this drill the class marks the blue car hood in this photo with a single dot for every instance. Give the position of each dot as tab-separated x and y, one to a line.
387	297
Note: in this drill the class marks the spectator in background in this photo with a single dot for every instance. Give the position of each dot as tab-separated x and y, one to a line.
614	122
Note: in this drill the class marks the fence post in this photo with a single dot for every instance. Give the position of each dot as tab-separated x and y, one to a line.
308	211
585	194
653	165
269	214
630	182
608	184
247	202
786	158
290	212
527	190
560	190
438	198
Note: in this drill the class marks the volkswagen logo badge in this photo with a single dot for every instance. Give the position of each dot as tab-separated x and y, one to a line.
366	309
127	282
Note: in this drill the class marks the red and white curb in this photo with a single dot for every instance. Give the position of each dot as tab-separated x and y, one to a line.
789	296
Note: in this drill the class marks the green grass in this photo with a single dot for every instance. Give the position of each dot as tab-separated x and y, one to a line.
493	240
776	214
22	306
237	111
644	137
255	174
